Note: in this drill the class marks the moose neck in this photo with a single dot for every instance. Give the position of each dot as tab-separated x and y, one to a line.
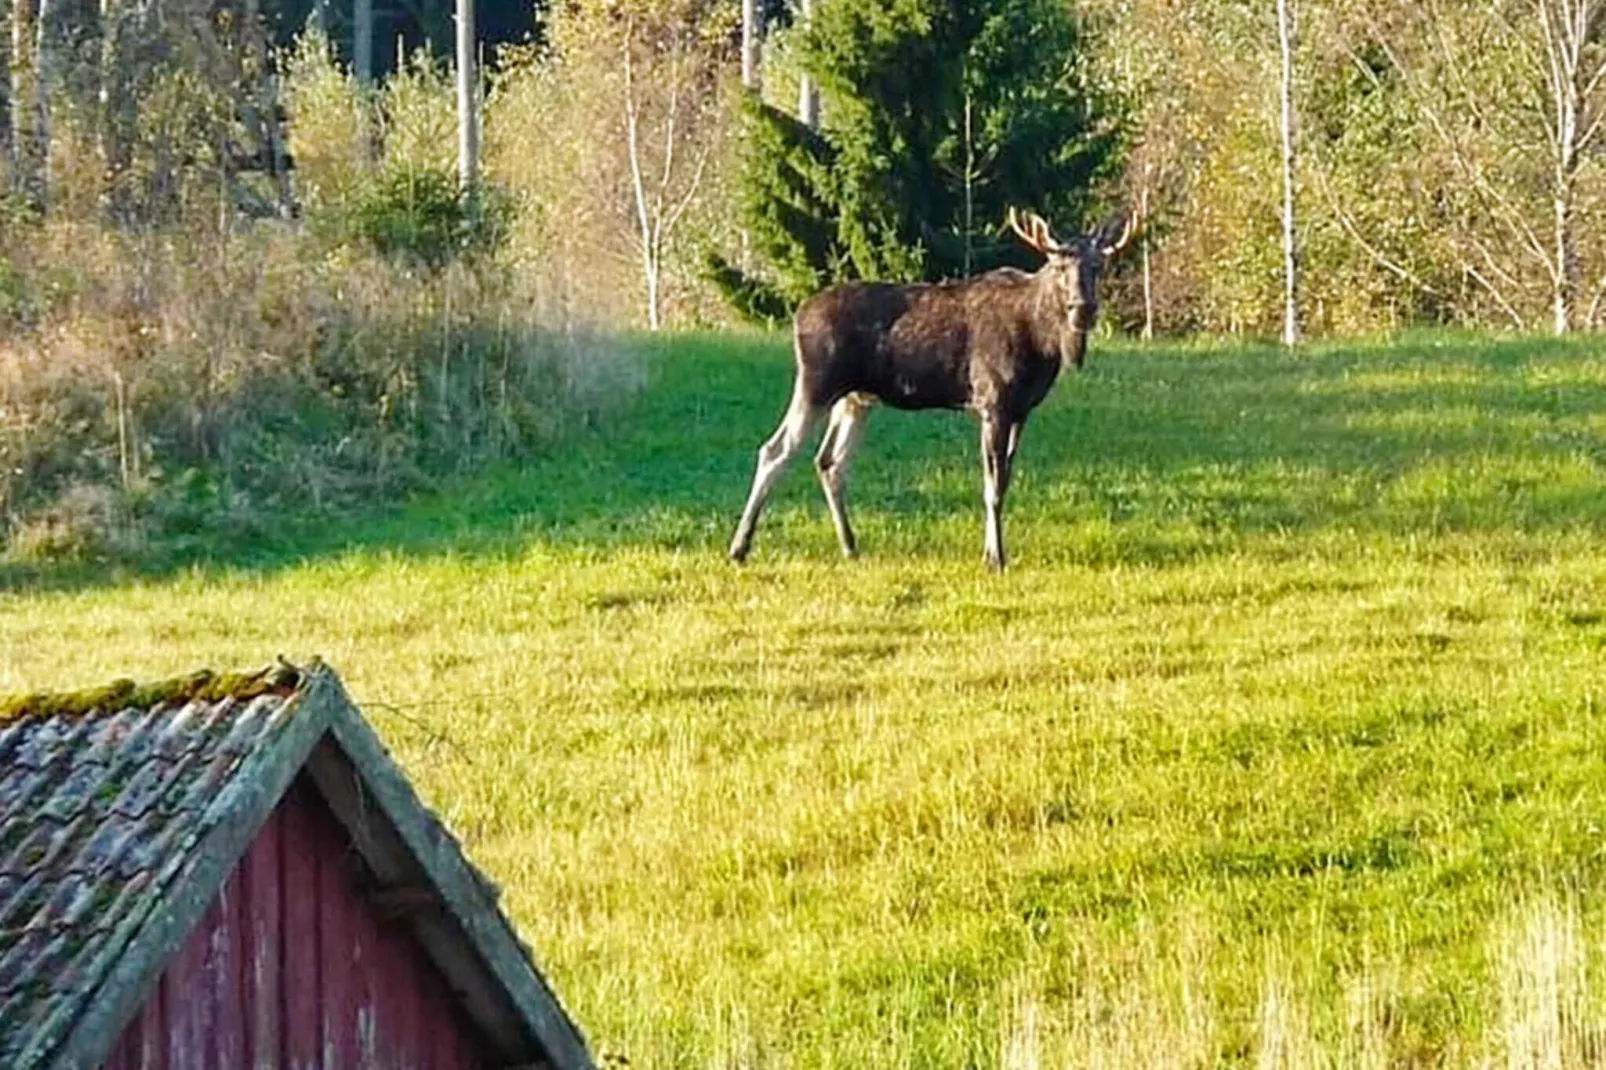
1055	332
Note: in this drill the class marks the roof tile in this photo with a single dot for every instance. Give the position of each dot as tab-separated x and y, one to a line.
105	796
97	811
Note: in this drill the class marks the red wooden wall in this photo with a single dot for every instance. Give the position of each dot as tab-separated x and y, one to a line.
291	969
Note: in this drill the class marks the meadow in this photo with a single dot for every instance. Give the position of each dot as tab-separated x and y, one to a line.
1282	742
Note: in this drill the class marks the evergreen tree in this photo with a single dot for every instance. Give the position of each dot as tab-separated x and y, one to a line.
939	114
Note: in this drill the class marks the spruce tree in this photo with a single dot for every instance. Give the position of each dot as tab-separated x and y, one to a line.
939	114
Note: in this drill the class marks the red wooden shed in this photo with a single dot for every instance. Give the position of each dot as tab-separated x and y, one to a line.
224	872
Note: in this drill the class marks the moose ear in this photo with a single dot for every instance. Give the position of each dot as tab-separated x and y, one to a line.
1117	234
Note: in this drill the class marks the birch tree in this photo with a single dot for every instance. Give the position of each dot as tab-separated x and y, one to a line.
1513	94
808	93
8	141
752	39
362	41
468	120
23	95
660	136
1286	117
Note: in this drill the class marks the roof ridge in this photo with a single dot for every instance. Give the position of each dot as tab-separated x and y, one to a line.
281	678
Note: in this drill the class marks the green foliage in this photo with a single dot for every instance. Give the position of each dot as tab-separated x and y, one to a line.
329	128
426	218
754	301
789	200
938	117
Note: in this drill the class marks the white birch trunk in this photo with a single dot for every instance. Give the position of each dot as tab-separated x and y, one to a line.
362	40
646	230
808	94
468	123
1285	38
752	37
42	73
1148	275
1566	25
8	129
16	93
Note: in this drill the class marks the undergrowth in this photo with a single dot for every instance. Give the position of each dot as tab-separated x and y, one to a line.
179	385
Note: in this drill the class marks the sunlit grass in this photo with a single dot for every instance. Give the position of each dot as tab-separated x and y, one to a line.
1280	742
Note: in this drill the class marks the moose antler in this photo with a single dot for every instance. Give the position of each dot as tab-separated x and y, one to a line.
1036	233
1130	223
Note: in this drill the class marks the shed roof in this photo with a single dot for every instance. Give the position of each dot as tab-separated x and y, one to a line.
123	810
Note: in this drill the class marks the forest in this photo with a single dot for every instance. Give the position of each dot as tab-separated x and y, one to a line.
226	218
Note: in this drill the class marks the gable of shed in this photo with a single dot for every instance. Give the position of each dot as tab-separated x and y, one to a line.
125	813
298	963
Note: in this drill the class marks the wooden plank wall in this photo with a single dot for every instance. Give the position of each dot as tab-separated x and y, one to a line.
292	969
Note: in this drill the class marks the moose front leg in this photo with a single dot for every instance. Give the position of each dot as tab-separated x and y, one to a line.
998	437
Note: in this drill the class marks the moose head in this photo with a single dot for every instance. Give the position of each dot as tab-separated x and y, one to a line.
1074	263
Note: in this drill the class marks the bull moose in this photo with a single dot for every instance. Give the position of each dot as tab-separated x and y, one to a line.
992	345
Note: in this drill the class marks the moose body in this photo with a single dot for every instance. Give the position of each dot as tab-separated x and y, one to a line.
993	345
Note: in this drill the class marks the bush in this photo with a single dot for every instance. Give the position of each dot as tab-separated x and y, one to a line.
426	218
197	387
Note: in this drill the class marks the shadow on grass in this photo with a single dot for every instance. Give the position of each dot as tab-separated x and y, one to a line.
1173	451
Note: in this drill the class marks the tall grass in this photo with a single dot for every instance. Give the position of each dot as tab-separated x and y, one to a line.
206	374
183	383
1155	1010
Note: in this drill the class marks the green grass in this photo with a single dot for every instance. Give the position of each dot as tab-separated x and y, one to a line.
1284	735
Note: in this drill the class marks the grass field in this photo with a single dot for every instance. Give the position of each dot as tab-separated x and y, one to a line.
1283	742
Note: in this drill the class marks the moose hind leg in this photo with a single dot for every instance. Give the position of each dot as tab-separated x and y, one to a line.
773	457
842	437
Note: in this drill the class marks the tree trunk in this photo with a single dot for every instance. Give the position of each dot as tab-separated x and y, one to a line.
1148	275
808	94
43	72
118	116
752	36
1285	37
8	139
654	316
970	178
1566	44
276	149
468	124
18	91
1566	281
362	40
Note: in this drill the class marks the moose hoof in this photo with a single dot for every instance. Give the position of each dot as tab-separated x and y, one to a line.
738	553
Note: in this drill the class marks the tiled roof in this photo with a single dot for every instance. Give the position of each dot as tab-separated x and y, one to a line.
99	809
123	810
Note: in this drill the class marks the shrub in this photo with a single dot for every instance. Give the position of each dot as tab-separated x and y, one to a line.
426	218
204	386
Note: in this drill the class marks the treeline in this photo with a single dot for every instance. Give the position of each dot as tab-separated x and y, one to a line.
1447	153
1445	156
239	275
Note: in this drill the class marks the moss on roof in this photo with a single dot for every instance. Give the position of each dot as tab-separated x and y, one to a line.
281	678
